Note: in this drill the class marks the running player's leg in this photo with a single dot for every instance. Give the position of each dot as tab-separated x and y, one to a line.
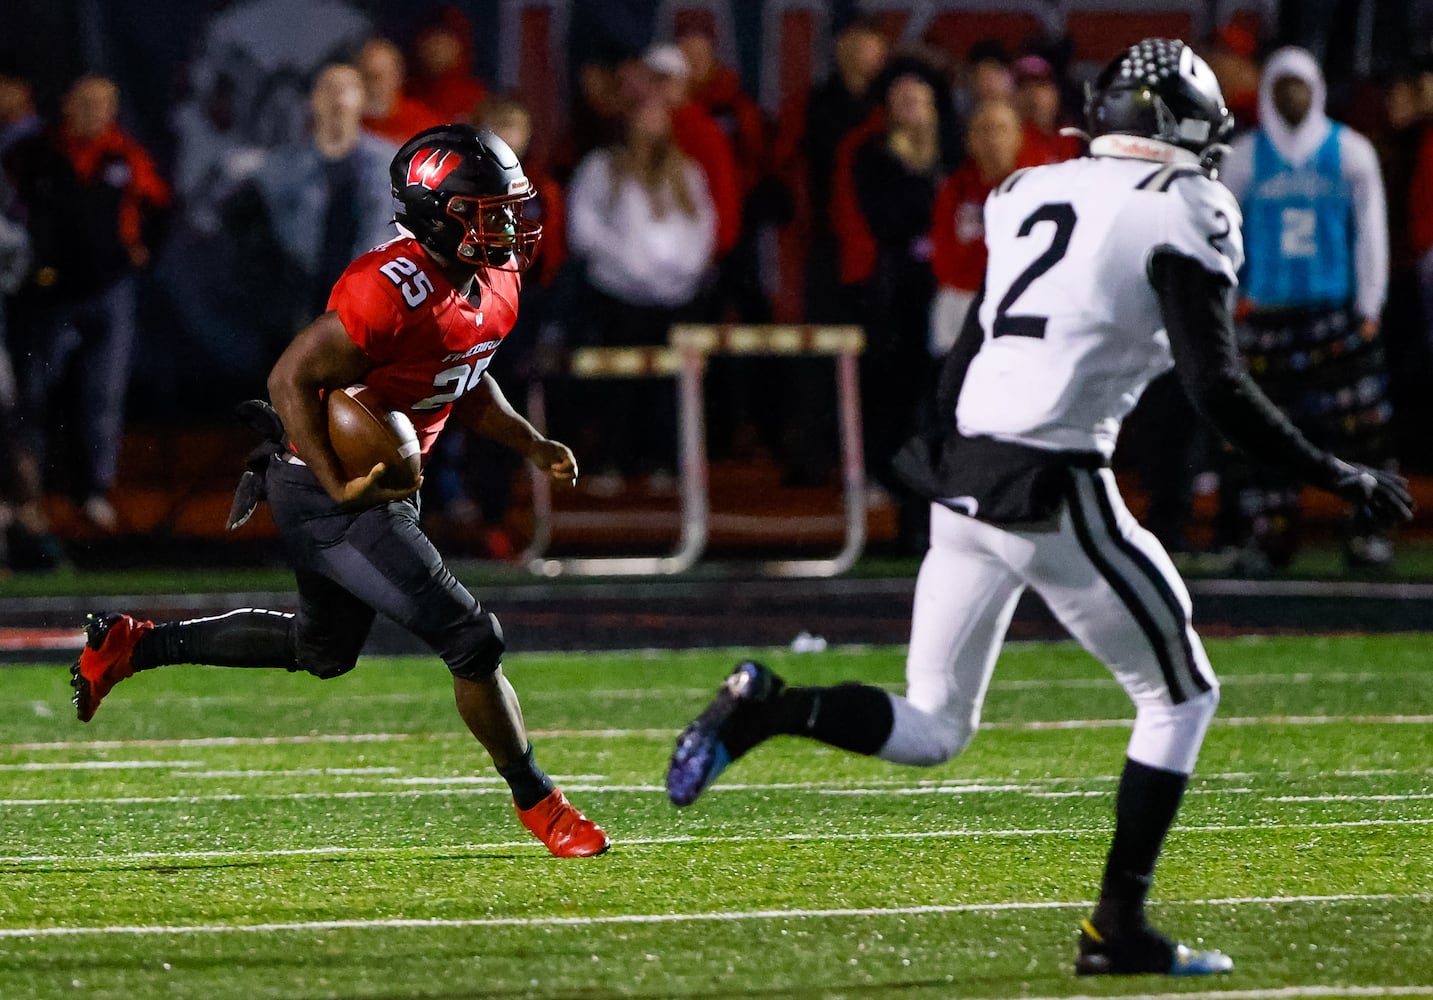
1111	584
387	561
323	639
965	595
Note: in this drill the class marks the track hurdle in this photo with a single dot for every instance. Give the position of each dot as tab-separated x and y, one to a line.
685	360
630	363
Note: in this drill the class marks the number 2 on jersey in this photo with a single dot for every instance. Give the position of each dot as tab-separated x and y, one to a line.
1062	214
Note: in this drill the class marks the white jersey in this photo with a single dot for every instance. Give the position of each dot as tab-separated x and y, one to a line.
1072	325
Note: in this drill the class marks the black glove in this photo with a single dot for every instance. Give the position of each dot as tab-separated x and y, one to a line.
264	419
1384	495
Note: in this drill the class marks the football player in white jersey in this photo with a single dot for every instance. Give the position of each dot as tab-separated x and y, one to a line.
1104	272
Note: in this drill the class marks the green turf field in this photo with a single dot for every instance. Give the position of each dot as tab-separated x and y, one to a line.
243	834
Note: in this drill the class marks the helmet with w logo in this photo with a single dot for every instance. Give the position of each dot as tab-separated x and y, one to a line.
460	192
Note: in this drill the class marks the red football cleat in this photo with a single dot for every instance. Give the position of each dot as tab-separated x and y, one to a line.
566	832
105	661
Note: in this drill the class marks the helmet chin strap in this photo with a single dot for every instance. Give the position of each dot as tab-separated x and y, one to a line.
1136	147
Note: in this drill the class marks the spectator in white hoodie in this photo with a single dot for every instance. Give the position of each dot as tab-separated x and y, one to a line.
1314	282
641	219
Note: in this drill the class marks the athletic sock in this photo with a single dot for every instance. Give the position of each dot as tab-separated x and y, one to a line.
855	717
1145	806
249	637
529	784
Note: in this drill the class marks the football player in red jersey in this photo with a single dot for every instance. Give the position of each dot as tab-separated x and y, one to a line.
417	319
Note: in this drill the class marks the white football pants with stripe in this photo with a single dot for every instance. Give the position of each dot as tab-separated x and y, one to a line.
1105	578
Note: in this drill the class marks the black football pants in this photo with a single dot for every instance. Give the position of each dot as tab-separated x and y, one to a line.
351	565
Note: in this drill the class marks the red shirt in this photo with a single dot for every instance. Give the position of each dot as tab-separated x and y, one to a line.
404	120
1420	197
957	233
721	96
428	343
1048	147
858	246
698	135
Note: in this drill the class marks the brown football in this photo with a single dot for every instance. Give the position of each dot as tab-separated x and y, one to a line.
366	430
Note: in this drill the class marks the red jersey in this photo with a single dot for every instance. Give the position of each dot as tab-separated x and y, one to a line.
429	343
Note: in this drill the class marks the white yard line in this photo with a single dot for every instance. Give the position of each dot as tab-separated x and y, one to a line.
486	786
100	765
1349	798
1035	785
1273	993
1228	680
221	741
670	733
327	772
359	853
654	693
668	918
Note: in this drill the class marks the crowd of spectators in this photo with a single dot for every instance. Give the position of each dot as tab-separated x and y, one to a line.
656	202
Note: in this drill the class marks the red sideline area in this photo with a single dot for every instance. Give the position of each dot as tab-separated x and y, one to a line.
177	485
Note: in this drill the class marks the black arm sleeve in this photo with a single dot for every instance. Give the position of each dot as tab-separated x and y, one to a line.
1195	305
958	358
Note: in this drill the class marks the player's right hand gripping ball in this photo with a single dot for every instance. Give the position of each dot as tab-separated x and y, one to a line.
365	430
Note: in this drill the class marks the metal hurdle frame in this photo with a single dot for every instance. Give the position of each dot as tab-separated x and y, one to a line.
685	360
685	365
843	343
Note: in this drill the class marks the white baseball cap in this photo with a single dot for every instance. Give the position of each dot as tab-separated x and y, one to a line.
666	60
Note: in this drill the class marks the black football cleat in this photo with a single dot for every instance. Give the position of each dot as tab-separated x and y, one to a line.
1145	952
702	752
106	659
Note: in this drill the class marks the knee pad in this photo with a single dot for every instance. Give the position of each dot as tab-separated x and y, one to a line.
323	662
474	648
1169	736
325	669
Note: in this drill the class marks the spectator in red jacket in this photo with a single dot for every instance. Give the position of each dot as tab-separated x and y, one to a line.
996	146
718	91
388	112
1037	99
851	224
856	246
87	177
443	76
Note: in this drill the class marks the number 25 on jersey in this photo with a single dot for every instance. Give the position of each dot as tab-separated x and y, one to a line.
410	279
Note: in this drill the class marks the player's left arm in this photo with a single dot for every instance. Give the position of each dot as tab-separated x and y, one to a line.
323	357
486	411
1193	275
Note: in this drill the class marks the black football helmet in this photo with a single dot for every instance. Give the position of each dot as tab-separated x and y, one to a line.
1160	89
460	192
